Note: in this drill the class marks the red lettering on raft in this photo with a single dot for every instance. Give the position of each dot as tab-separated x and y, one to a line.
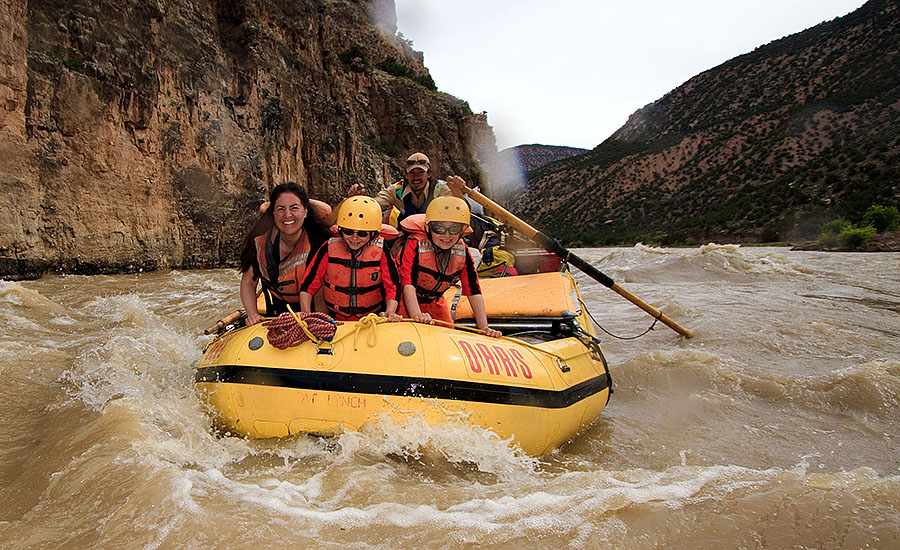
471	356
216	350
507	362
497	359
307	398
346	401
517	355
491	363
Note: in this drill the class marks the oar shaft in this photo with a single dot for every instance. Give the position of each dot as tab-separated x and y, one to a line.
651	310
228	319
523	227
224	321
552	245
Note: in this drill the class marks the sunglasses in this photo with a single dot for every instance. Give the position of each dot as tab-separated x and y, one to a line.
440	228
350	232
417	162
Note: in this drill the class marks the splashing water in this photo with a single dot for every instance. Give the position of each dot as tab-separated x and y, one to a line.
774	427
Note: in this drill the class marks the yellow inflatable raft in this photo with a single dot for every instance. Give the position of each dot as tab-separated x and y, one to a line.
540	384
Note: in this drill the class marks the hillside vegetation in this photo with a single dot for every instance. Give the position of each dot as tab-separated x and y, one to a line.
765	147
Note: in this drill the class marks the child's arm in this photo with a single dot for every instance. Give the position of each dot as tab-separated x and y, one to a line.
390	311
477	303
408	258
305	302
390	279
412	305
472	290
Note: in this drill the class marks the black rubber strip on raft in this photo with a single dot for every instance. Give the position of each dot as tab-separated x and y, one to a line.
406	386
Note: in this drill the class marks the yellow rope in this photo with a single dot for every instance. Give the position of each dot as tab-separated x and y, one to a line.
303	326
369	320
372	320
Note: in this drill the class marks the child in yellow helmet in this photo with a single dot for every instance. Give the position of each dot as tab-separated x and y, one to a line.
357	275
431	265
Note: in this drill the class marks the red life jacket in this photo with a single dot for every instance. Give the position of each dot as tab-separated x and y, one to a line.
281	279
353	285
431	279
413	227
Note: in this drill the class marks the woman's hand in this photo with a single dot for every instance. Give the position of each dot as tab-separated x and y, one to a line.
253	318
488	331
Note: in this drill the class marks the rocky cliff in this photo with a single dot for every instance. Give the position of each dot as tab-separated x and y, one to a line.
766	146
143	134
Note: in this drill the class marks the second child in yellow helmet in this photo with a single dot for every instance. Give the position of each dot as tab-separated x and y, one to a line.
357	275
431	265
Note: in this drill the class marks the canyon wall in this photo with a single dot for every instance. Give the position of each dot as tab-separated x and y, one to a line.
144	134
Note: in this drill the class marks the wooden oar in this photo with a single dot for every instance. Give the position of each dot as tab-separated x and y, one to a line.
224	322
228	319
552	245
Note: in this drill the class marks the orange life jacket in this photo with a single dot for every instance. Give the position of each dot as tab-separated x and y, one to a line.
281	279
353	285
431	279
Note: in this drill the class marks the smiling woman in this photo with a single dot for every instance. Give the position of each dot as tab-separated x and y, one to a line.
276	249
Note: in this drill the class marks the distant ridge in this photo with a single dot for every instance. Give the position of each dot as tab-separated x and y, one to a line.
761	148
536	155
508	171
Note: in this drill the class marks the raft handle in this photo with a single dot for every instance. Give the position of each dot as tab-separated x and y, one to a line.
324	351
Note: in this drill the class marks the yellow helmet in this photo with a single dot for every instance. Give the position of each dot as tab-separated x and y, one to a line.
447	209
359	213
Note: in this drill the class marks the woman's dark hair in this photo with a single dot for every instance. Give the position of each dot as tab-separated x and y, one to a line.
317	230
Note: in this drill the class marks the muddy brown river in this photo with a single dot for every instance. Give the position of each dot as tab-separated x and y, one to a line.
775	427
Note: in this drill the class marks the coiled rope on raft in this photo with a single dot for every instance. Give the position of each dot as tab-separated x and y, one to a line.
292	329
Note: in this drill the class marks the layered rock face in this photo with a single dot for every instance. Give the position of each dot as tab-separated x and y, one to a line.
144	134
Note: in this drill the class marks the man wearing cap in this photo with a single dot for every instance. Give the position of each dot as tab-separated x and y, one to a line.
412	194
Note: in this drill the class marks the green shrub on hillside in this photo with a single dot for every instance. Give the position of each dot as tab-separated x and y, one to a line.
882	218
426	81
392	67
272	116
831	232
853	237
353	52
386	148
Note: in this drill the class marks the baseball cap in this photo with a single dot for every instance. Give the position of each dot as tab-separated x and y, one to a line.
418	160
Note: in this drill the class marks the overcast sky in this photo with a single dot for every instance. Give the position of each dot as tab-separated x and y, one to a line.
570	72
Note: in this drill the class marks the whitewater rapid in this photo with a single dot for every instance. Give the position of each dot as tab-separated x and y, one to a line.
775	427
